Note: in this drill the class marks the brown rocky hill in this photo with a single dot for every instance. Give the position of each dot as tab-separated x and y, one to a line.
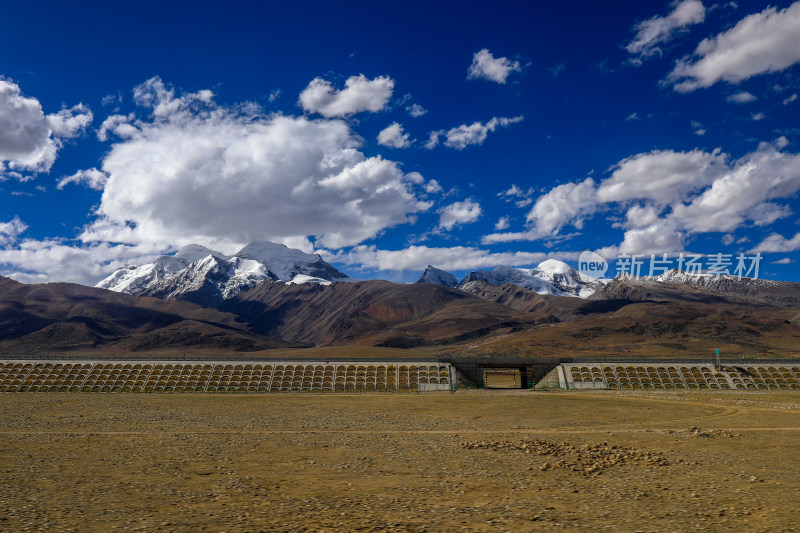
629	318
372	312
57	317
521	299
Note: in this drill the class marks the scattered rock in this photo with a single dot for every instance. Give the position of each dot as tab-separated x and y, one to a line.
585	459
700	433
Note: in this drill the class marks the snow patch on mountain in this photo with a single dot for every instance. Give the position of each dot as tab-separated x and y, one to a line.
302	278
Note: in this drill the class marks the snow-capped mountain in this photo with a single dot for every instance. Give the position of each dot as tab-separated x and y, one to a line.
550	277
752	290
288	263
204	276
437	276
716	283
135	280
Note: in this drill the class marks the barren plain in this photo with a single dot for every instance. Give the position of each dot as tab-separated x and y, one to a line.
472	460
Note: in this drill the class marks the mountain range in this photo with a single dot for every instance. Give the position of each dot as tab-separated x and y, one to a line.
200	275
746	290
206	277
66	317
267	296
371	312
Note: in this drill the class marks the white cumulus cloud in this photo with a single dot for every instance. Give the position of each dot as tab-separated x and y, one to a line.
567	203
432	187
570	203
92	178
486	66
154	94
659	237
662	176
192	171
393	136
34	261
641	216
120	125
501	224
747	191
360	94
70	122
416	110
519	197
658	30
742	97
29	139
760	43
11	230
466	135
778	243
459	213
198	172
669	196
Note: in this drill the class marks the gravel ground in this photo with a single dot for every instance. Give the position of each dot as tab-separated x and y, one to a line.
473	460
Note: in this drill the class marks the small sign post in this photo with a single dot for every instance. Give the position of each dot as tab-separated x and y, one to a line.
717	360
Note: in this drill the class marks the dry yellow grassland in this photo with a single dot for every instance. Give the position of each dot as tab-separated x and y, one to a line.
471	460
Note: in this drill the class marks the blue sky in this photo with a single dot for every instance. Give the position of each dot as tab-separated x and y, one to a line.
388	136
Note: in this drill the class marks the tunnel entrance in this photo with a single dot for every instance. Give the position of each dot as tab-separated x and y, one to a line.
525	371
502	378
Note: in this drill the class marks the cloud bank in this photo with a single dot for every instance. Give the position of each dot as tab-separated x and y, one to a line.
187	170
451	258
668	196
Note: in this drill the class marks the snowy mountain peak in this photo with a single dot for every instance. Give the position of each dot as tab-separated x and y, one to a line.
554	266
549	277
202	275
437	276
265	251
195	252
286	263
